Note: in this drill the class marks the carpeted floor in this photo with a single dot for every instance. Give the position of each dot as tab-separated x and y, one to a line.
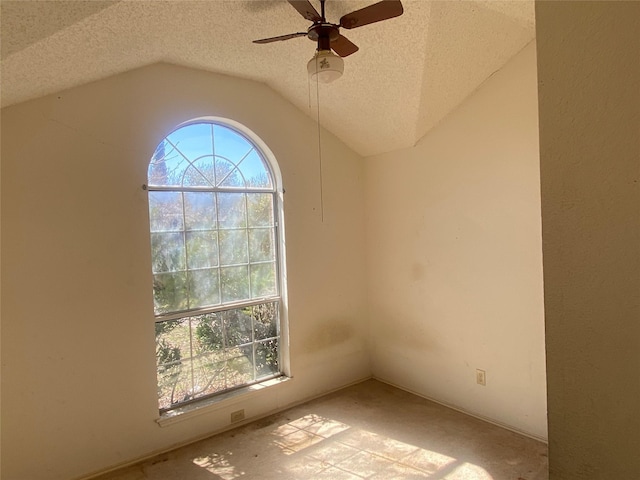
370	430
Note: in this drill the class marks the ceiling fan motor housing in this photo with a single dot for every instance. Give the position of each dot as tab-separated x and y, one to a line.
324	34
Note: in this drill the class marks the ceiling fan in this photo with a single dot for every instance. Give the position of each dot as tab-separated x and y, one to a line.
325	64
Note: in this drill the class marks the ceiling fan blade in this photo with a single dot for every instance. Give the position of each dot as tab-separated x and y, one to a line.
343	46
281	37
305	9
371	14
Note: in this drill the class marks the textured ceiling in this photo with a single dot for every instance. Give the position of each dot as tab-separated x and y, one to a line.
409	73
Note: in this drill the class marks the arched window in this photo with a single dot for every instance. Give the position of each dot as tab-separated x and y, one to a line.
215	246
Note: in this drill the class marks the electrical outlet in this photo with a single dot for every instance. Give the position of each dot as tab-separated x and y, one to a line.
481	377
237	416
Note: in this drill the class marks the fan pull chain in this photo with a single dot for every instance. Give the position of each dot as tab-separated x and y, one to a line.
319	146
309	91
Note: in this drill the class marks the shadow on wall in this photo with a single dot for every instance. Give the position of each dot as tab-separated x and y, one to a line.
329	334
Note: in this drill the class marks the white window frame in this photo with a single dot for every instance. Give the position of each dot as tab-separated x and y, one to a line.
280	297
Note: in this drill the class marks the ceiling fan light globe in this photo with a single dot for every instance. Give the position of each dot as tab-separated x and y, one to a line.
325	67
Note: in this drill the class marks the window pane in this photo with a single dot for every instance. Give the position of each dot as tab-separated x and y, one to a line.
209	375
234	179
177	387
157	174
205	354
255	171
194	178
232	211
263	280
203	288
209	361
169	292
172	342
237	326
226	172
230	144
166	166
172	360
265	317
205	166
165	211
233	247
235	283
173	384
208	334
192	140
239	367
167	252
260	207
200	210
261	245
202	249
267	358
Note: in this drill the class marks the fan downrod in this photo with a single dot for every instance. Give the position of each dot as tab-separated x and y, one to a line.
324	34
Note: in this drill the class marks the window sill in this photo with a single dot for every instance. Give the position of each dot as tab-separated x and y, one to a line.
218	402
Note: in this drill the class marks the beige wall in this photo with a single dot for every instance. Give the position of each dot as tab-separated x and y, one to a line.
455	256
589	71
453	235
78	373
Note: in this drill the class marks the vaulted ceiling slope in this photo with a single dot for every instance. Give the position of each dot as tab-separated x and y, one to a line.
409	73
